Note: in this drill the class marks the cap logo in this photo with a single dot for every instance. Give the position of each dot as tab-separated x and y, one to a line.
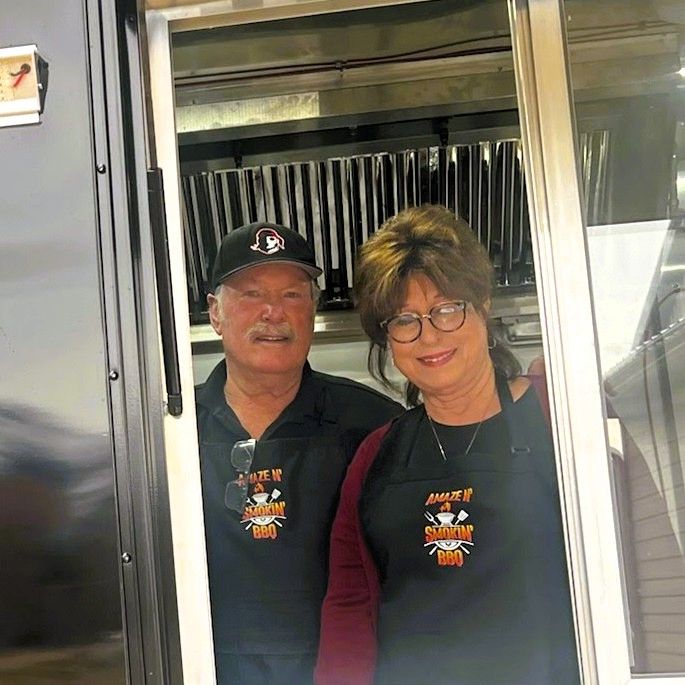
268	241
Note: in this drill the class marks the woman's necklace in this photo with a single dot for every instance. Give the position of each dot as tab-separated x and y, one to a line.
473	437
437	439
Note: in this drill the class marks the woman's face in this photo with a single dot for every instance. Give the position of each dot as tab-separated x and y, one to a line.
438	362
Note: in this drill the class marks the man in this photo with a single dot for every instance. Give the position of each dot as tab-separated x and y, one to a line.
275	441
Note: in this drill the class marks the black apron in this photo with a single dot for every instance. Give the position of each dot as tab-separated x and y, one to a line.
267	627
474	588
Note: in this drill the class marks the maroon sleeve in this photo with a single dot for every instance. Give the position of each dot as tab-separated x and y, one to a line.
347	650
540	385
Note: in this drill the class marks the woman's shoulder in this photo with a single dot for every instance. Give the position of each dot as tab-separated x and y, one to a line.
535	386
367	451
518	386
372	444
373	440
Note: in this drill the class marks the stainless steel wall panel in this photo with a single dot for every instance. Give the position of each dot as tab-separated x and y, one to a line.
379	173
298	198
314	206
227	205
234	211
195	282
268	194
194	224
249	180
470	154
457	179
401	176
282	202
415	178
485	236
386	166
203	231
372	181
399	165
500	214
461	180
347	232
508	237
330	217
217	215
392	164
260	194
244	196
363	197
442	176
450	196
355	208
289	199
481	210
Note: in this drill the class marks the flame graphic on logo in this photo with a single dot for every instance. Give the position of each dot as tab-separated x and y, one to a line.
258	487
446	507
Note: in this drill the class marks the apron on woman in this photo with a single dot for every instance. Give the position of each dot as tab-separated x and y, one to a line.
470	553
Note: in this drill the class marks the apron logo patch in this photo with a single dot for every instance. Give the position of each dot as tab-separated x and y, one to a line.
264	510
448	539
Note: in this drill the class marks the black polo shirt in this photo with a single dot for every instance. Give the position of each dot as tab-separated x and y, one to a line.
268	566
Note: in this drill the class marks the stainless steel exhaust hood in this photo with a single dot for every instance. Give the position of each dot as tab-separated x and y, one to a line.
332	123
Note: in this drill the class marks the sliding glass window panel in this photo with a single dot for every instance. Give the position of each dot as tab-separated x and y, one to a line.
628	73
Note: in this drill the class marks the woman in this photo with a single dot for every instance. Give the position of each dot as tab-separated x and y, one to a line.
447	557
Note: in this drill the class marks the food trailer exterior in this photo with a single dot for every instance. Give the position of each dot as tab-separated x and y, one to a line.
109	181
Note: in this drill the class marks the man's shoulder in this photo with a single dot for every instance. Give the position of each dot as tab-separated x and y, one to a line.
356	403
206	424
210	393
203	399
349	387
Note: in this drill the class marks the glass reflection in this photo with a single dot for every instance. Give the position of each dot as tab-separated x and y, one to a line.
628	88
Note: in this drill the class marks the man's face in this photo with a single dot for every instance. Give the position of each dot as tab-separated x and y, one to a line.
265	317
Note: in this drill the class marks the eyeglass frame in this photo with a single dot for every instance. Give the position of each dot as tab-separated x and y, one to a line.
420	317
242	482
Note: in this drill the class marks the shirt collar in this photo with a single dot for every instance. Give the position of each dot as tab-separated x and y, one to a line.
309	404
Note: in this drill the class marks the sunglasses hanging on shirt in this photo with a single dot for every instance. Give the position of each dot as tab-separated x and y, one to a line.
242	455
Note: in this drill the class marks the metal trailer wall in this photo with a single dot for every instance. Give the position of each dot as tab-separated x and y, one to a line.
61	614
86	573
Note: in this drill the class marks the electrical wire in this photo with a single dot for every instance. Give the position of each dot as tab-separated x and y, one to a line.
411	56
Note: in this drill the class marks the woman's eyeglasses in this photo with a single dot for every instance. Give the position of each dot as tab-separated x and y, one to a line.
406	327
242	454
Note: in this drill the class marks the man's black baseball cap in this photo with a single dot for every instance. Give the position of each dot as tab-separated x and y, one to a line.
262	243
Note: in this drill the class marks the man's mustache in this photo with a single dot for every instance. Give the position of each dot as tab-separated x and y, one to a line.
261	330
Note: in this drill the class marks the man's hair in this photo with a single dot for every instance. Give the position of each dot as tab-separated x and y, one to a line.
429	240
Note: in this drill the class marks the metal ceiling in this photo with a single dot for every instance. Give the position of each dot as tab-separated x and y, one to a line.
431	54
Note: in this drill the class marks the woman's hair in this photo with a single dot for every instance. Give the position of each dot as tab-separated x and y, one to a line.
429	240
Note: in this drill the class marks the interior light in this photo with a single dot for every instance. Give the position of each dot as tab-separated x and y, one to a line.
682	72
